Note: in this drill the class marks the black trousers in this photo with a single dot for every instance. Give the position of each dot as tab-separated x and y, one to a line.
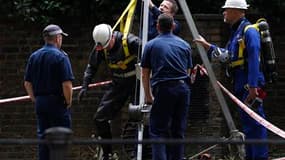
112	102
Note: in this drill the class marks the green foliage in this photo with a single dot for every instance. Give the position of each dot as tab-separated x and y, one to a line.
41	11
45	11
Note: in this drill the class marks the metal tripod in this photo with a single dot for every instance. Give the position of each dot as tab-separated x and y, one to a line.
235	134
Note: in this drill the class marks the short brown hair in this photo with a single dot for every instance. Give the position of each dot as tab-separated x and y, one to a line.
174	8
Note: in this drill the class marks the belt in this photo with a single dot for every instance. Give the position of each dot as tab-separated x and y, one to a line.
49	95
172	82
125	75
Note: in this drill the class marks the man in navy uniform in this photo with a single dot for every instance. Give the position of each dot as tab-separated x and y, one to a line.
168	58
48	82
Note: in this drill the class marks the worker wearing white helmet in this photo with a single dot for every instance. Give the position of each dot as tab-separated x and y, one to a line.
241	55
102	35
109	48
238	4
48	82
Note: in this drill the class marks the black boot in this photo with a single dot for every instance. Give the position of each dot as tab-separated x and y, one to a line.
110	156
104	131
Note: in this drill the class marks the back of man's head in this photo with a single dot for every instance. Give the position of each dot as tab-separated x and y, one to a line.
165	23
51	34
52	30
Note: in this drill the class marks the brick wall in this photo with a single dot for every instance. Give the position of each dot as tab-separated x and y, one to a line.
17	120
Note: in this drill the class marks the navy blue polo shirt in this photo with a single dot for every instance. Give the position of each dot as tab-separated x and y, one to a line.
47	68
168	57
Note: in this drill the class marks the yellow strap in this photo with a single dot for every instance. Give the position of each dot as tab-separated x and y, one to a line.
261	19
122	25
128	25
125	25
122	64
124	13
251	26
237	63
242	46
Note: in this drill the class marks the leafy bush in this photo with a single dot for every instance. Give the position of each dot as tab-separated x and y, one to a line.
45	11
41	11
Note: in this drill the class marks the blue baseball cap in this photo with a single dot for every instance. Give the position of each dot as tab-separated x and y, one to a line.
52	30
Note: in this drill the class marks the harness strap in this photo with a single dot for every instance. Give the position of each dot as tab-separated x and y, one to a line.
240	61
123	14
125	75
125	24
236	63
121	64
127	27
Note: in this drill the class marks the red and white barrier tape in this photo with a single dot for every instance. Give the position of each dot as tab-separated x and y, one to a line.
26	98
251	113
282	158
93	85
194	72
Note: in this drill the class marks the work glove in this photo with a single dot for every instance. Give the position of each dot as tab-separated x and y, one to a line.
81	94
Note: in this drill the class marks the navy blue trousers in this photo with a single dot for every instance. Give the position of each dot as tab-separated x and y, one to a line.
168	118
51	112
253	130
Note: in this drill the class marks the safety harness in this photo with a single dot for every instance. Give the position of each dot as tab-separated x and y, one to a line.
241	60
121	64
125	25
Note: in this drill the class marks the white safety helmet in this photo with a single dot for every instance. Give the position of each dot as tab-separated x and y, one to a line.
102	34
239	4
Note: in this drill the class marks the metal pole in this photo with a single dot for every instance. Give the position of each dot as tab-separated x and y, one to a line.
58	139
141	100
233	131
144	41
140	138
207	64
